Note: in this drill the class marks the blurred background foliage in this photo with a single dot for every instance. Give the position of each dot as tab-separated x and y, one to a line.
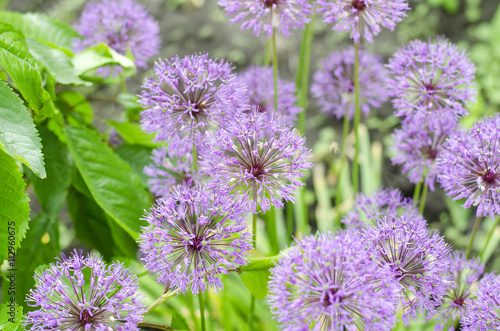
189	26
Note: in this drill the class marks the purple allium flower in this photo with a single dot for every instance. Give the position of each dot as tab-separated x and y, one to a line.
260	88
82	293
123	25
367	209
465	273
468	166
417	258
333	85
259	157
264	15
187	97
195	234
417	145
348	15
431	77
330	282
169	169
483	312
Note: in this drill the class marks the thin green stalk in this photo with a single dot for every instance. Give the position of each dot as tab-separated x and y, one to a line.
254	230
357	115
490	235
202	310
289	220
164	297
423	199
195	158
303	72
254	239
275	70
345	132
267	57
252	309
471	242
272	231
416	194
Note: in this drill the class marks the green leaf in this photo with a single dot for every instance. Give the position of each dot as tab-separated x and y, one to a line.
18	135
56	61
259	263
137	157
178	322
34	83
113	184
76	107
14	206
41	28
10	316
129	102
256	282
133	134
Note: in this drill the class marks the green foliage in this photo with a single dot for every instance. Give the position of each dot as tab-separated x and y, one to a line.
133	134
137	157
10	322
255	275
18	135
178	322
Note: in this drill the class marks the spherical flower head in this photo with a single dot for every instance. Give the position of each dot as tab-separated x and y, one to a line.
259	158
82	293
169	169
195	234
368	208
333	85
465	274
483	312
264	16
123	25
431	78
329	282
371	15
417	145
187	97
260	90
417	258
468	166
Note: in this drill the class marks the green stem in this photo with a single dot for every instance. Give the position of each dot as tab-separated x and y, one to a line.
490	235
252	309
267	58
357	115
303	72
416	194
275	70
202	310
254	230
161	300
154	326
345	132
471	242
289	221
423	199
195	158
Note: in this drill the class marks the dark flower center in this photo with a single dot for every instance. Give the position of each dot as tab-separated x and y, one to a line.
257	172
270	3
459	301
489	177
197	242
86	318
325	300
359	5
431	153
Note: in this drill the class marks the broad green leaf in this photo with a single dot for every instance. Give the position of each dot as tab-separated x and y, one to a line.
113	184
129	102
10	316
256	282
178	322
56	61
76	107
14	206
259	263
99	56
137	157
32	80
42	28
18	135
133	134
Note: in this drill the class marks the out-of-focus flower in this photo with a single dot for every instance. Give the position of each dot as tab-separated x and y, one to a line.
264	15
195	234
431	78
258	157
417	145
367	209
417	258
370	15
333	85
187	97
330	282
260	88
123	25
483	312
468	166
82	293
465	273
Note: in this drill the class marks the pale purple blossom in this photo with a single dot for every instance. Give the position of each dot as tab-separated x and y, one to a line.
483	312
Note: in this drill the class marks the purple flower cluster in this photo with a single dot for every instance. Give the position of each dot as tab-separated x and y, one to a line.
416	257
258	157
260	90
195	234
123	25
351	15
333	85
187	97
367	209
330	282
82	293
483	313
468	166
267	15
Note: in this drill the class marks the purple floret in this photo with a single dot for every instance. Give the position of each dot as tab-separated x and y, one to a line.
263	15
333	85
259	158
123	25
372	15
330	282
483	312
431	78
82	293
468	166
195	234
